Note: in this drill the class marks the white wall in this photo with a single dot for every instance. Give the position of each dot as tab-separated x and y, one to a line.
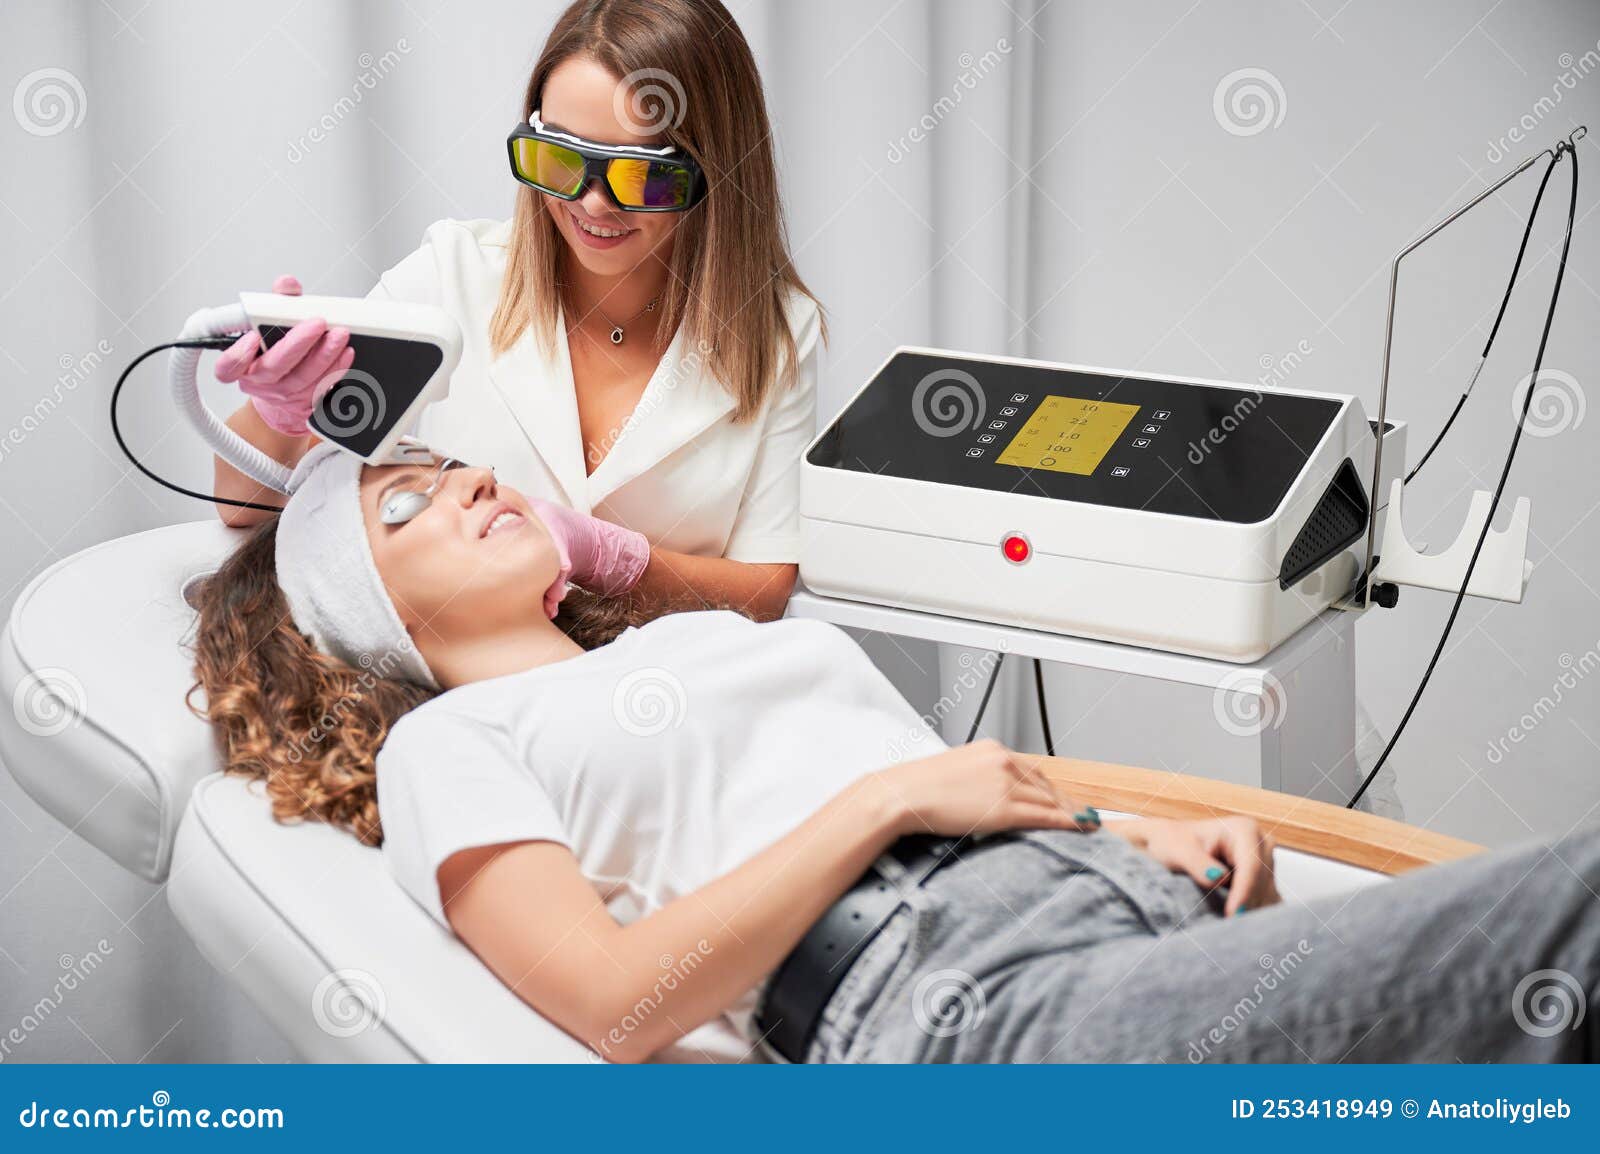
1082	201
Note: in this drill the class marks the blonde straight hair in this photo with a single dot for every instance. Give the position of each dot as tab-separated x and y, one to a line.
686	70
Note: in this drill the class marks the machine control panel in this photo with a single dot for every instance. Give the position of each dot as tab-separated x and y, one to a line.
1217	452
1069	434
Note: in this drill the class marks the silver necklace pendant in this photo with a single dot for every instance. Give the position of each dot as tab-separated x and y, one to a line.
616	335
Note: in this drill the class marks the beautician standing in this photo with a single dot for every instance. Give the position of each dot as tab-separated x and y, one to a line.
648	369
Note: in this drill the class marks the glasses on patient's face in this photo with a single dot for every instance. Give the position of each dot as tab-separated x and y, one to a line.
407	500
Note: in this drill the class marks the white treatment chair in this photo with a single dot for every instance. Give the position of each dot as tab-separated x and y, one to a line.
306	920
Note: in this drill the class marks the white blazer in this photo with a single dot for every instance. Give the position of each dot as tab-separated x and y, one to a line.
679	471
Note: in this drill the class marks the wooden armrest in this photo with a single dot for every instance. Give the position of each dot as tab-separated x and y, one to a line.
1313	827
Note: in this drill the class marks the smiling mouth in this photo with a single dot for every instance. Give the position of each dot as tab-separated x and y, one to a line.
501	521
601	231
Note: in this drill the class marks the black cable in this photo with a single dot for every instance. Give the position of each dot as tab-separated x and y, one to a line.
994	675
116	428
1505	300
1044	713
1454	413
1505	471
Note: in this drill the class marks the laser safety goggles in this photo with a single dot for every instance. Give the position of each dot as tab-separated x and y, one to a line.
636	179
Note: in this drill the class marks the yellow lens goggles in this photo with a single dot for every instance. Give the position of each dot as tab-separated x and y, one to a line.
635	179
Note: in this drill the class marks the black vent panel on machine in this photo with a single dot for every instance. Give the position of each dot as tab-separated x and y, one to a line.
1338	520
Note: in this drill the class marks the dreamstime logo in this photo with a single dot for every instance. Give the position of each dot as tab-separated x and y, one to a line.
947	402
682	372
1558	403
1274	371
74	372
49	101
160	1114
675	972
1275	972
1573	672
973	69
1249	101
1573	69
649	100
348	1002
1247	704
48	702
1547	1003
373	69
74	973
948	1002
355	403
391	663
975	672
649	701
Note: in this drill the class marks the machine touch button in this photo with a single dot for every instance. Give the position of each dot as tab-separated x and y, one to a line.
1008	411
997	424
1121	471
1152	428
1018	398
1141	442
1163	414
985	438
974	452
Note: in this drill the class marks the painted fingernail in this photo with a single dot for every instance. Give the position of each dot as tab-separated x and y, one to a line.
1242	908
1089	816
1213	873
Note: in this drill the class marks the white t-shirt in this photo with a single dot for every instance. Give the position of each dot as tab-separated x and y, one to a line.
663	760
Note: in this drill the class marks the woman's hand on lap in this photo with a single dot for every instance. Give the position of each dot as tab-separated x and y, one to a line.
978	788
1232	853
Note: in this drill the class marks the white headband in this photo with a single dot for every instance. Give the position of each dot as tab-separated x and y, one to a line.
328	576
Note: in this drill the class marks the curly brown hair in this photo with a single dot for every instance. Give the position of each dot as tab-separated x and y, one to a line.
308	725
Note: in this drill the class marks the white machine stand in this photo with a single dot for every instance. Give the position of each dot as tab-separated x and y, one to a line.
1286	722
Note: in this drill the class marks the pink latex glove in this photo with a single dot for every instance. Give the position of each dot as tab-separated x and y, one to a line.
285	382
604	558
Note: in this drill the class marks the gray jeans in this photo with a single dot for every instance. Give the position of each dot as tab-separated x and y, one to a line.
1066	947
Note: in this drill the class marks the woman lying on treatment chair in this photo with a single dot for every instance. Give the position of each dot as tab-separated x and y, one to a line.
636	825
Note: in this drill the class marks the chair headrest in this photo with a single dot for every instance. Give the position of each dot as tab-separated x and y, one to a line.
95	664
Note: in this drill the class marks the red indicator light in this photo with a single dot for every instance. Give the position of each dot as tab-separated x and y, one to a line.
1015	548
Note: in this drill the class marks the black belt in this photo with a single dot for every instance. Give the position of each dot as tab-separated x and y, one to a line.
806	979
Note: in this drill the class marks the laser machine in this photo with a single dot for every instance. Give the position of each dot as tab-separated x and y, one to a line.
1193	516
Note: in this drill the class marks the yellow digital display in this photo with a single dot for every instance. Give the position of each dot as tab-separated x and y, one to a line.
1068	435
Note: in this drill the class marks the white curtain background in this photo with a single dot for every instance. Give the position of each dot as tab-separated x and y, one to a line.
1062	180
